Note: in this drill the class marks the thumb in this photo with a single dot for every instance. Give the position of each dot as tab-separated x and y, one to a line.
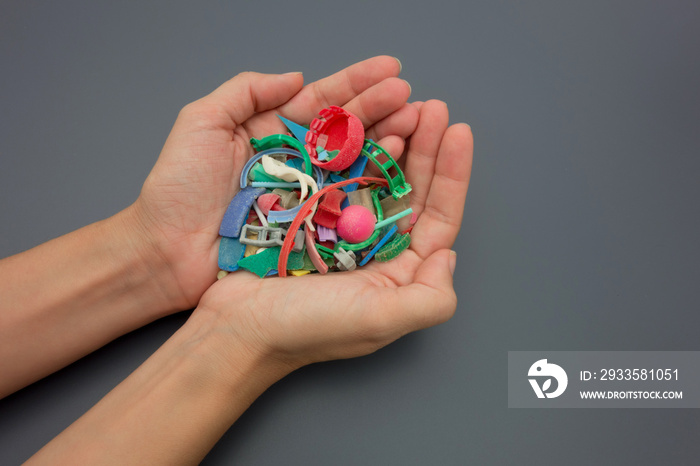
430	299
248	93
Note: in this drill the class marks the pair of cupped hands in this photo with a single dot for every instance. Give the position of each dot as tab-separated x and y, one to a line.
299	320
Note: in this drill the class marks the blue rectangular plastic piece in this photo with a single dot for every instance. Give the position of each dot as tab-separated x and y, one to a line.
381	243
231	250
238	210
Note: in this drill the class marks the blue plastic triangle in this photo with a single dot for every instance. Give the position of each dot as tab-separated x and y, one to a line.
297	130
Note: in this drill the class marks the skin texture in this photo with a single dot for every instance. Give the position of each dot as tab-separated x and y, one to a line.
245	333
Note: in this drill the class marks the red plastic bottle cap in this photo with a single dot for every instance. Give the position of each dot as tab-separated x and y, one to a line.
342	131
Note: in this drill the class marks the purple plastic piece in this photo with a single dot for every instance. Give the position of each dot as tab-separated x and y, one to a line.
326	234
238	210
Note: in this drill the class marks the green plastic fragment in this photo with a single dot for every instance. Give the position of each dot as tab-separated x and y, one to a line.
397	183
261	263
295	261
326	252
308	265
392	249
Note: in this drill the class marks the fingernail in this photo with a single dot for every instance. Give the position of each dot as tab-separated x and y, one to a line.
292	72
453	261
410	89
400	65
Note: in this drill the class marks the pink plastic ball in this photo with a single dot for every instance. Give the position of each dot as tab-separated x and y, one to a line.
355	224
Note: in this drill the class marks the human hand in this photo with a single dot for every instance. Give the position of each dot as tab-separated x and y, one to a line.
183	200
312	318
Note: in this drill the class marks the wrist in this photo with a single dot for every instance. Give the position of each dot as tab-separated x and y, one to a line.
149	273
232	354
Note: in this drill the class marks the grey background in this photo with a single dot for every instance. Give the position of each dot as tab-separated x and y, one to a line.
581	226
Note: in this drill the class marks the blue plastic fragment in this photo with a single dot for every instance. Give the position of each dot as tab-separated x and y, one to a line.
284	216
238	210
381	243
275	184
335	178
295	163
297	130
356	170
230	252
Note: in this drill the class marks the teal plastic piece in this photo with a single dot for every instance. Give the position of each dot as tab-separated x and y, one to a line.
231	250
393	218
258	173
275	184
297	130
295	163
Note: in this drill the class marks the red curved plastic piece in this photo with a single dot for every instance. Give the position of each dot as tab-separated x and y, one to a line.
306	210
344	133
329	209
313	253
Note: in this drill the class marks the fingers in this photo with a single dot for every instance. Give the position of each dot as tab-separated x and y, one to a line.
339	88
392	144
423	151
401	123
248	93
439	222
379	101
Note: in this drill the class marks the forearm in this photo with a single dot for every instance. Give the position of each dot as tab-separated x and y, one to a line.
173	408
69	296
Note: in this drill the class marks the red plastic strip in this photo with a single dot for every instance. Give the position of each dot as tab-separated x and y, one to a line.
306	210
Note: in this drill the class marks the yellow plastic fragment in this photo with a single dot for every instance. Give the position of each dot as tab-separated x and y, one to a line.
221	274
250	250
299	273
